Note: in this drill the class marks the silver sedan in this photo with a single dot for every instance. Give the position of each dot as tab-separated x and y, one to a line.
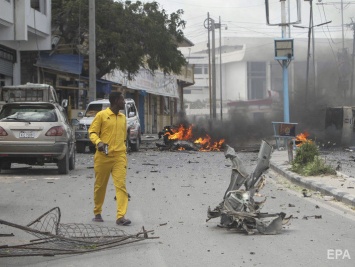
35	134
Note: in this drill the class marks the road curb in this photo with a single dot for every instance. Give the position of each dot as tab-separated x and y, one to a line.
339	195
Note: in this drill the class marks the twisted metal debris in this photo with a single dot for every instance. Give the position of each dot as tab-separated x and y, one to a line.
238	209
55	238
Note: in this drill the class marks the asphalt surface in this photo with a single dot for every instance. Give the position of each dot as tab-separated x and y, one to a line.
170	193
340	187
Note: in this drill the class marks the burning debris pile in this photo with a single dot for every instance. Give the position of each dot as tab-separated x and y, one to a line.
238	209
183	138
55	238
302	138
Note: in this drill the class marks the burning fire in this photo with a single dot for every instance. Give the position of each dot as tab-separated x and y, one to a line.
302	138
205	143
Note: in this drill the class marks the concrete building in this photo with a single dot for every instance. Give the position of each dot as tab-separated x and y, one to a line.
252	79
24	26
28	53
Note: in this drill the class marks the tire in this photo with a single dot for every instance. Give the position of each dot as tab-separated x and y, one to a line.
80	147
135	147
72	161
5	166
63	165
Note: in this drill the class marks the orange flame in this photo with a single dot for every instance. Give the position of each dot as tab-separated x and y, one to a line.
302	138
206	144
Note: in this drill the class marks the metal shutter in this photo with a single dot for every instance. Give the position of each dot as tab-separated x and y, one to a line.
6	67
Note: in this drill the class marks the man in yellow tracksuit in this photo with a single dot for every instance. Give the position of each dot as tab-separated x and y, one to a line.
109	129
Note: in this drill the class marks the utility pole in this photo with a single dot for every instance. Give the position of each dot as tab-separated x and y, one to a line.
92	52
220	66
352	68
284	66
214	114
343	51
342	23
308	47
211	27
208	20
311	35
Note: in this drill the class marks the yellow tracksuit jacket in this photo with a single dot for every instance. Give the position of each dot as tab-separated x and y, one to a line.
110	129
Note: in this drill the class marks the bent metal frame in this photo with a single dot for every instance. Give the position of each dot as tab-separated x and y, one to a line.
55	238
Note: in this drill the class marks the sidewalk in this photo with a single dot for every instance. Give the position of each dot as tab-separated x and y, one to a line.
341	187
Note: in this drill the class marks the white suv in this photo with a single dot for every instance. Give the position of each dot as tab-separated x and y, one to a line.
133	125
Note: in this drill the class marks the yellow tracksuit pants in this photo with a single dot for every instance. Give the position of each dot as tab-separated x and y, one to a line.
104	166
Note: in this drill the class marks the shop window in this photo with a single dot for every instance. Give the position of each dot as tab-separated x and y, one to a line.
256	80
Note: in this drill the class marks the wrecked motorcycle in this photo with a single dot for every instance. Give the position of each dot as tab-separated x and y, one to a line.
239	210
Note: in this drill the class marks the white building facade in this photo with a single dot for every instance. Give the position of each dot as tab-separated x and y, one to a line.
24	26
250	73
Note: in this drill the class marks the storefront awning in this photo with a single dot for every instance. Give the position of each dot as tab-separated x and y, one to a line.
159	84
61	62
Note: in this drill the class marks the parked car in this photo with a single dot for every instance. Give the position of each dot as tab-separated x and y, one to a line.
133	125
36	133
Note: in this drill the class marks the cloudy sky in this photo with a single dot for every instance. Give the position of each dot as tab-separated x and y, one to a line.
247	17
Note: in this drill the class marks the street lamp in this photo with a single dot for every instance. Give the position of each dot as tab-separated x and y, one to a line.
284	49
284	55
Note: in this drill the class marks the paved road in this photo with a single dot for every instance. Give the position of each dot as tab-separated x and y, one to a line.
170	193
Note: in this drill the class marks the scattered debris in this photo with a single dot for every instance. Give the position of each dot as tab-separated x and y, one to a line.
3	235
239	209
291	205
312	216
328	198
55	238
306	193
152	164
338	167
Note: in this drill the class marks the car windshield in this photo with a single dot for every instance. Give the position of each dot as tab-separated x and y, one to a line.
28	113
93	109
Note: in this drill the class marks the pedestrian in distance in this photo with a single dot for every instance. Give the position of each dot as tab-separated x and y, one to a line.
108	132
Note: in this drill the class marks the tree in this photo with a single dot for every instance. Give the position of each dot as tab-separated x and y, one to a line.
128	35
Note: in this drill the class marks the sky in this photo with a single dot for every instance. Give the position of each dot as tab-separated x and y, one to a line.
242	18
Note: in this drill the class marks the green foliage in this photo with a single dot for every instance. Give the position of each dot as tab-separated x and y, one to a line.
306	153
129	35
308	163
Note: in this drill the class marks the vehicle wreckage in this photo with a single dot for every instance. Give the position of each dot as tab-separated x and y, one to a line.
238	209
55	238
